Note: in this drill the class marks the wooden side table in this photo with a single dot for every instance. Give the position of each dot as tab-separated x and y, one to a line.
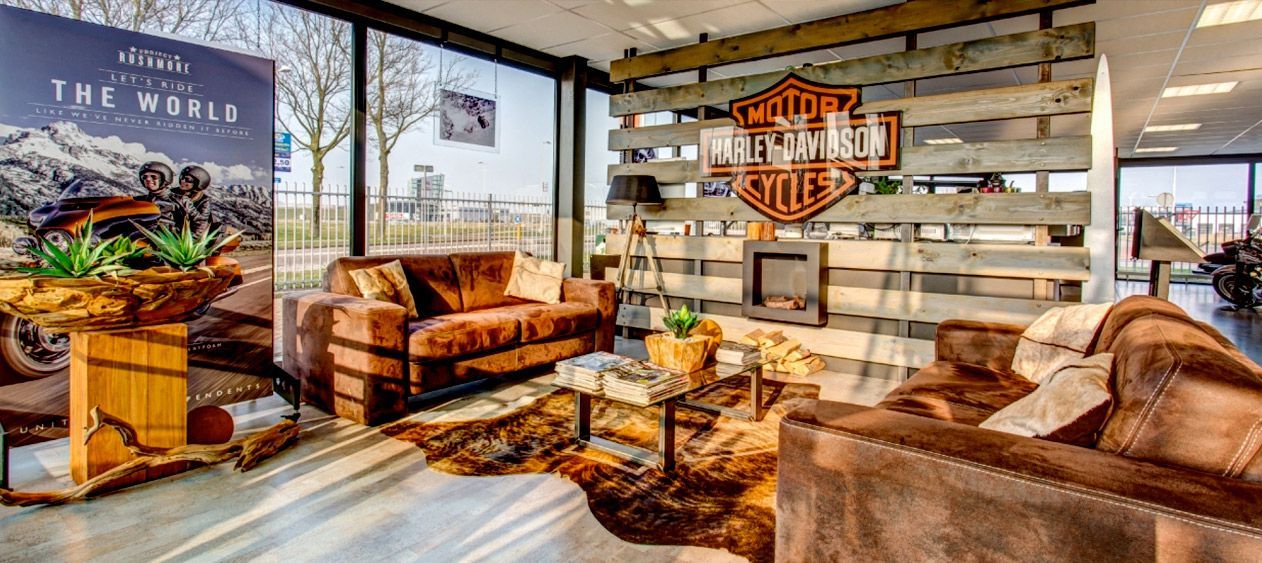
139	375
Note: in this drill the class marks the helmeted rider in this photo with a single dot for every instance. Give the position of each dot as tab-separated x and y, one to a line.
155	178
192	203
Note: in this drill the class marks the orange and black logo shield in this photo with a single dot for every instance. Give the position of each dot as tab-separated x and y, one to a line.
795	147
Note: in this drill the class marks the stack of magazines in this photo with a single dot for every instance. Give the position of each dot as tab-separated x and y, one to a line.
737	353
734	357
642	384
583	372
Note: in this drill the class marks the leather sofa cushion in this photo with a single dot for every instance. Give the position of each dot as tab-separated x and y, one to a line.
1181	398
957	392
460	334
541	321
432	279
483	277
1126	311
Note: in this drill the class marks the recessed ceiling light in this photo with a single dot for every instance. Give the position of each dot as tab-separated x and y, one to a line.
943	141
1199	89
1230	12
1158	149
1165	128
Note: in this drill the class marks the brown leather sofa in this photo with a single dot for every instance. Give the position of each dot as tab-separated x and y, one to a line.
361	359
1175	475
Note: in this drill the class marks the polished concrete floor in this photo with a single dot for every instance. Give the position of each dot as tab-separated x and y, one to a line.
349	492
345	492
1243	327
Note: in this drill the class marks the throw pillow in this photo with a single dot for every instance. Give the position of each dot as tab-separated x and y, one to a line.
1061	334
1071	407
535	279
388	283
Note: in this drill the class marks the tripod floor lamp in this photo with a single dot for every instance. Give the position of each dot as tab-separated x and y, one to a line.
636	191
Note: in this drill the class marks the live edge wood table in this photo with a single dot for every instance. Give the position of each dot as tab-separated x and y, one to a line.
139	375
664	457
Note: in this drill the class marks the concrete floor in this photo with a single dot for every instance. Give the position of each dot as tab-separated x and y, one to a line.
344	492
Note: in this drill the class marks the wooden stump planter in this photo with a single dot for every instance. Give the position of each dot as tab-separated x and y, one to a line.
153	296
686	355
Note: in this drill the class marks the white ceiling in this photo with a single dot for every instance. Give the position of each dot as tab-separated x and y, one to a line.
1151	44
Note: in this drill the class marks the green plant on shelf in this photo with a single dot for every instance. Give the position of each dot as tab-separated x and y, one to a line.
885	185
680	322
84	256
184	250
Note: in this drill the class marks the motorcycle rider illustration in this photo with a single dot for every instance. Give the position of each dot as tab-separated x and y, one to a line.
192	203
155	178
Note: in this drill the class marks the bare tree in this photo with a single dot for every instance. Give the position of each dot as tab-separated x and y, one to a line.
403	83
210	20
312	87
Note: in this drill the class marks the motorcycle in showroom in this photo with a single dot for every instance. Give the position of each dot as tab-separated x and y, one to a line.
1236	272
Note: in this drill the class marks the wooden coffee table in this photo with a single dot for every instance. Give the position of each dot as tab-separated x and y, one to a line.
664	457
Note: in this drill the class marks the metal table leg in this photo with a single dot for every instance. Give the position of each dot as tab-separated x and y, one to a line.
666	436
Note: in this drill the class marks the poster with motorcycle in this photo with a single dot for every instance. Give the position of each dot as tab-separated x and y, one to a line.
133	132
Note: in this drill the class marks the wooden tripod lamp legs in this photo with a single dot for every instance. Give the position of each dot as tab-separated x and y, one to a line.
624	265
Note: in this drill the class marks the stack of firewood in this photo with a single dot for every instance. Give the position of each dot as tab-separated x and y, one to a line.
786	355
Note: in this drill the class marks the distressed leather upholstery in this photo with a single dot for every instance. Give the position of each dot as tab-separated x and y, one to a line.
461	334
957	392
1176	474
541	321
362	359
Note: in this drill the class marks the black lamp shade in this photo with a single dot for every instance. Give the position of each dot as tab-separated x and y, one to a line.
634	189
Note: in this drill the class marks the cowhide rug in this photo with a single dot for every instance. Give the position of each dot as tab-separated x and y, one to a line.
722	494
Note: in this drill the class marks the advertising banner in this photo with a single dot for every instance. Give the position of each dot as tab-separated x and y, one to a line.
796	146
129	129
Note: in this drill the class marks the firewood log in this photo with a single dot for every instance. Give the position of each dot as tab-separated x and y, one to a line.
807	366
797	355
782	349
751	339
769	339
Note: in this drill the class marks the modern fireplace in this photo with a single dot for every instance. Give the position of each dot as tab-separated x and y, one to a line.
786	281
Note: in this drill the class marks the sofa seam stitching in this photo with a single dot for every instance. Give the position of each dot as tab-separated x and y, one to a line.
1248	441
1111	498
1167	381
1248	437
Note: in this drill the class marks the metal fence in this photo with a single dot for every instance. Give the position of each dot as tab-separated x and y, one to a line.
454	222
1207	227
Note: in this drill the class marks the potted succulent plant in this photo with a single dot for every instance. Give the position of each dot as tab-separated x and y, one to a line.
93	284
679	349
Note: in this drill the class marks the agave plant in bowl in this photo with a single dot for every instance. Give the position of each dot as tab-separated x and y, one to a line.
679	349
93	284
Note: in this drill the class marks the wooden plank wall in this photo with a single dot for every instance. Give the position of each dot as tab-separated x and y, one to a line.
885	297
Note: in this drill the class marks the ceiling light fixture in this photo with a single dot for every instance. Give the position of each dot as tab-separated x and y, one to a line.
1158	149
1168	128
1230	12
1199	89
943	141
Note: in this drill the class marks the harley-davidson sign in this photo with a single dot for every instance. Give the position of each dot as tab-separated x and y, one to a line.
795	147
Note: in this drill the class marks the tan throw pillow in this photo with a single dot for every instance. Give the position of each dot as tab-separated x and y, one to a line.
535	279
1071	407
1059	335
388	283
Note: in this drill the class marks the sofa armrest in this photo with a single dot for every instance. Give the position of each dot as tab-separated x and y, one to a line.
858	483
973	342
350	354
602	295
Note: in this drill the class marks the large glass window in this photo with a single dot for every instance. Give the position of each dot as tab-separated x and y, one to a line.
313	100
597	158
460	152
1207	203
